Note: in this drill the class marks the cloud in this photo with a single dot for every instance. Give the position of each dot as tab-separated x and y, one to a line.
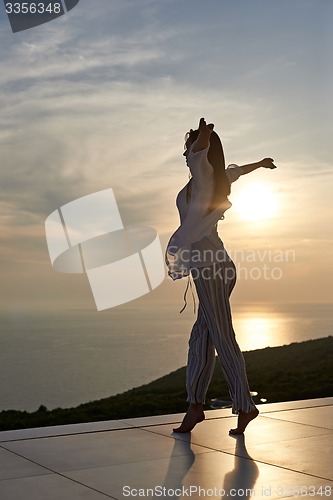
70	126
102	97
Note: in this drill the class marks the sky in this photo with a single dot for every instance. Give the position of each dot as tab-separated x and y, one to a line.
103	96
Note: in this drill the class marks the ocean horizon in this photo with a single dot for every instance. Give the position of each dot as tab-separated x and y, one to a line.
76	356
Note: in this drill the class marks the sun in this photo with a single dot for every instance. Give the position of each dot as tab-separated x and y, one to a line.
255	202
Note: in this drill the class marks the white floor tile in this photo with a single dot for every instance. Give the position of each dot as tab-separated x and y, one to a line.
309	455
319	417
291	405
61	430
214	434
155	420
13	466
288	449
93	450
50	487
186	474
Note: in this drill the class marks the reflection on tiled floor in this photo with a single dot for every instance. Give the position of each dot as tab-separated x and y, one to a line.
286	452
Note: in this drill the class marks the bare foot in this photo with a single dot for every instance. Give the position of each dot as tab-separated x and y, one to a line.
243	419
193	416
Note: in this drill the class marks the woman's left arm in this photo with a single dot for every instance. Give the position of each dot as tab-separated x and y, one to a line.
250	167
203	140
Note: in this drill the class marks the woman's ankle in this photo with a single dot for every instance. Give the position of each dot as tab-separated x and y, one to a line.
196	406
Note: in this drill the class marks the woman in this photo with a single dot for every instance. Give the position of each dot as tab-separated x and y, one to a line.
196	249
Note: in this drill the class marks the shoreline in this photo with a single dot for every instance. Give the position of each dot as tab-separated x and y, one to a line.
296	371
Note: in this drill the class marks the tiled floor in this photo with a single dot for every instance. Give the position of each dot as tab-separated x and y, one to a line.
287	451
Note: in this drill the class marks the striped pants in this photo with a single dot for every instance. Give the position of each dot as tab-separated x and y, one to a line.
213	330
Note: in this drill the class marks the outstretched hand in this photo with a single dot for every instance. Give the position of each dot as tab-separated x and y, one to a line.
267	163
205	131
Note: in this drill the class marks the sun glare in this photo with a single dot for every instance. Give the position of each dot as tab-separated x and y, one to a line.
255	202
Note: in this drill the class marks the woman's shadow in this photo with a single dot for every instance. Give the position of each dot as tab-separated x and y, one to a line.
181	460
238	483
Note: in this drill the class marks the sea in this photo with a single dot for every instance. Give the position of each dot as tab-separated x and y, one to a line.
63	359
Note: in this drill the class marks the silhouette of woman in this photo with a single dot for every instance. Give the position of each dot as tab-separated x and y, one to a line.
195	249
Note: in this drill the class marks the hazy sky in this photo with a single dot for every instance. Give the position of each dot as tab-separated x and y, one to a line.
103	96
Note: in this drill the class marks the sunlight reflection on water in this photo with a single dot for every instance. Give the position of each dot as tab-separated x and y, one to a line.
255	331
264	325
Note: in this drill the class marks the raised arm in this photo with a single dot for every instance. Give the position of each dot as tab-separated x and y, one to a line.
205	131
250	167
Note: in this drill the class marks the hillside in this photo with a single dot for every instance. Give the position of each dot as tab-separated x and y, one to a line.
297	371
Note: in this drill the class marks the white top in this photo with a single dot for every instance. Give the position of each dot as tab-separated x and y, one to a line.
196	242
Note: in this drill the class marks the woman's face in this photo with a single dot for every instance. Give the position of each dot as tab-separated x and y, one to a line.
188	144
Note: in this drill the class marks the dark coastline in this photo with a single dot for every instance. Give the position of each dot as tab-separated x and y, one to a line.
302	370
